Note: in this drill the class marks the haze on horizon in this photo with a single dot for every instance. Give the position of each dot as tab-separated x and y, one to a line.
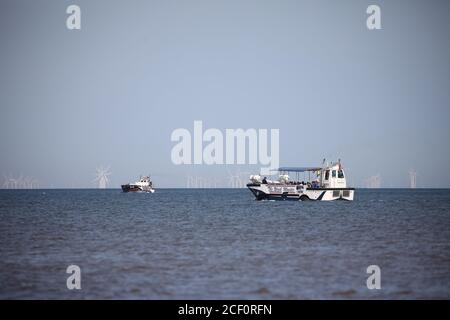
112	93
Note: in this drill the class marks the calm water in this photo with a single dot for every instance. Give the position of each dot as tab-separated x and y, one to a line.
214	244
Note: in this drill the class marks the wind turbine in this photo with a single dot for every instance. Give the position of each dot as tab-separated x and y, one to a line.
412	179
101	176
21	182
191	182
11	182
15	183
34	184
8	183
373	181
27	183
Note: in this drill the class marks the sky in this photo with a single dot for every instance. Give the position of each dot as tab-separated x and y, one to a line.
112	93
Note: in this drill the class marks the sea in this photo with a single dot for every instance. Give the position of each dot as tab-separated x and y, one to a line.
223	244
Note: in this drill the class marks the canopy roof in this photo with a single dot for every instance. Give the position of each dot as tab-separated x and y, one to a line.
298	169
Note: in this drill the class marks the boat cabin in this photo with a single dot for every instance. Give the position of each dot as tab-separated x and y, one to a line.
329	176
333	177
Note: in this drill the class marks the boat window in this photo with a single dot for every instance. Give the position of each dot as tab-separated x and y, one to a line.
327	174
340	174
333	174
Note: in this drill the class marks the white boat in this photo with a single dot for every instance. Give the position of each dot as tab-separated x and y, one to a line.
143	185
329	184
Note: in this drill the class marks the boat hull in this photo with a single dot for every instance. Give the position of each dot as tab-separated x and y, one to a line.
298	193
135	188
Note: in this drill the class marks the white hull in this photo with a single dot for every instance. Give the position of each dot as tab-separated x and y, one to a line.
299	193
147	189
